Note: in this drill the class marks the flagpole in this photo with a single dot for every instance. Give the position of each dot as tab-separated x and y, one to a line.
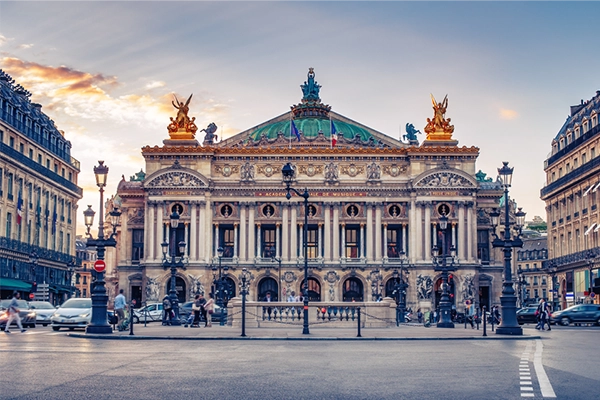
290	141
330	132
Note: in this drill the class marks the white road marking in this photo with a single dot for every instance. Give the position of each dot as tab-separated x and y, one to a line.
545	385
526	388
527	395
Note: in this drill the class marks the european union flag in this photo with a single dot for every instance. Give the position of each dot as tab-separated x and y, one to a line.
294	129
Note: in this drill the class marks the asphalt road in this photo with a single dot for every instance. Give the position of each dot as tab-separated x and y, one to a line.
42	364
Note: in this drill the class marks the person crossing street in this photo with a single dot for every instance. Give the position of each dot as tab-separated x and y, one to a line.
13	313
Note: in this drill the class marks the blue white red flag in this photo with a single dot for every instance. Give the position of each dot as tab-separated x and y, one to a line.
334	136
19	209
294	130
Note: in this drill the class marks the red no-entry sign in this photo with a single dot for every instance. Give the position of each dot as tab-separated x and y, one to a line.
99	265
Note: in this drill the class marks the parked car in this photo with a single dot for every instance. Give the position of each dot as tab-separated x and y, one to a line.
150	312
580	313
27	315
73	313
185	310
527	315
43	311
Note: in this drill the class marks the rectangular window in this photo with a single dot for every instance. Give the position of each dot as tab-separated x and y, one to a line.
1	182
393	246
583	158
31	154
39	158
48	163
312	249
85	280
77	277
483	246
352	243
8	225
268	242
84	292
60	241
11	142
9	187
22	148
137	242
227	240
593	151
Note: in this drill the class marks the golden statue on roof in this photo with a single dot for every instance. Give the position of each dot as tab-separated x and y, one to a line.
182	127
439	127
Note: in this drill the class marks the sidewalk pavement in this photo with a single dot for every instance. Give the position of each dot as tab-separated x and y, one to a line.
155	331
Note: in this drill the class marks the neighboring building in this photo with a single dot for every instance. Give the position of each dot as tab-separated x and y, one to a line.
571	195
38	197
532	281
83	275
372	198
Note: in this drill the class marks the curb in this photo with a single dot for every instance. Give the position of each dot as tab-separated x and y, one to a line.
134	337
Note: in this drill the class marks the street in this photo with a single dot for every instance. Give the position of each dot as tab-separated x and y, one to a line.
42	364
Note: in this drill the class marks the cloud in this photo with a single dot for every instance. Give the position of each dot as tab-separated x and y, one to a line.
508	114
4	39
155	84
26	46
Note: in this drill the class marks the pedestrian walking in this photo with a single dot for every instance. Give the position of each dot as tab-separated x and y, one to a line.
209	308
167	311
542	315
419	316
13	313
120	304
196	309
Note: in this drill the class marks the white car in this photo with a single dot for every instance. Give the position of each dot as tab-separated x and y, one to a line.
43	311
149	313
73	313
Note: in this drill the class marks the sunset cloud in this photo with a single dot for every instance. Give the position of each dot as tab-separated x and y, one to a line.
155	84
26	46
4	39
508	114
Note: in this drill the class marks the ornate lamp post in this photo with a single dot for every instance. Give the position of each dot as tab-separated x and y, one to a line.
70	269
170	260
288	176
509	324
590	258
441	264
245	278
98	323
400	289
220	286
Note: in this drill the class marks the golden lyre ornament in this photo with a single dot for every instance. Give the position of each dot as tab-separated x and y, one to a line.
182	127
439	127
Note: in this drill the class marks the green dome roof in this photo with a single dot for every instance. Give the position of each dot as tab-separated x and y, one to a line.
309	128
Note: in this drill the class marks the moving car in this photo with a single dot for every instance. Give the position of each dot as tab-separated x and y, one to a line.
27	315
580	313
527	315
43	311
73	313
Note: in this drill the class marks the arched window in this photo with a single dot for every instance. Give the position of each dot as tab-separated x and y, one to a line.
390	287
314	289
179	287
268	285
353	290
230	285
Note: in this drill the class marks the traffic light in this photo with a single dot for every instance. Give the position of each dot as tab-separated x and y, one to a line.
34	287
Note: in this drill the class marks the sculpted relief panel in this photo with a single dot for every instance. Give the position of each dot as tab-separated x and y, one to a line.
178	179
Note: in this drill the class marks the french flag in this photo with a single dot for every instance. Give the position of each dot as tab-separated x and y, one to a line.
334	136
19	209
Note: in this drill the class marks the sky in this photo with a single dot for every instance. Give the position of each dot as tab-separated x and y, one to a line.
106	72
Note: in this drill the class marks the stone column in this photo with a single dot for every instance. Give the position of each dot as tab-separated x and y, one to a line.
285	229
235	240
294	233
320	240
327	231
412	218
404	248
202	234
363	242
343	226
151	230
385	242
126	244
368	240
258	241
243	234
186	229
378	241
419	235
193	232
147	235
336	232
301	241
251	232
216	240
159	231
277	241
469	232
454	235
208	230
461	232
428	228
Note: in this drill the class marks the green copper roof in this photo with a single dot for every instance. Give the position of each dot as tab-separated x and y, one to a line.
309	128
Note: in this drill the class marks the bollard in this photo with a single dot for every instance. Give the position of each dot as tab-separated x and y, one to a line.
484	318
131	317
358	322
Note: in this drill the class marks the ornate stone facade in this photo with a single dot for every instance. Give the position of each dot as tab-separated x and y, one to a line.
373	199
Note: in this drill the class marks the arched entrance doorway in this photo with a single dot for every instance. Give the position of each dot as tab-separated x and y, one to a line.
353	290
438	292
179	287
390	288
268	285
314	289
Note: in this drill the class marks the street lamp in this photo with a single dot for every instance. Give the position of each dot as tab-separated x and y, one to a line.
170	260
220	286
288	176
522	284
400	289
98	323
245	278
590	258
70	269
509	324
441	264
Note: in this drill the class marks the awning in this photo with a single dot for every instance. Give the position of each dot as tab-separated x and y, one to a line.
14	284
